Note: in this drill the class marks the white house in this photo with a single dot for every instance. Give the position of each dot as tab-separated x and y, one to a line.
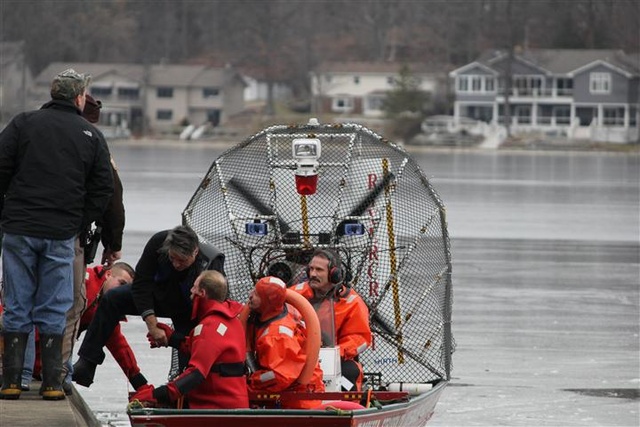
360	87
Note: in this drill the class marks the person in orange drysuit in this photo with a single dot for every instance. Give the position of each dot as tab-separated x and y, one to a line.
277	336
215	376
324	286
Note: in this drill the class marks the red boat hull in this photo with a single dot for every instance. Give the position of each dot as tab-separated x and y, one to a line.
415	412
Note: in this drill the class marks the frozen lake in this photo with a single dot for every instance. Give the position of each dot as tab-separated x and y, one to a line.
546	281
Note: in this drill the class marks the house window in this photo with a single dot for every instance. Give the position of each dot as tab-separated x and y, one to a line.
463	84
210	92
327	78
164	92
342	104
562	114
564	86
613	116
164	115
390	80
600	83
527	85
476	84
490	84
129	93
356	80
101	92
523	114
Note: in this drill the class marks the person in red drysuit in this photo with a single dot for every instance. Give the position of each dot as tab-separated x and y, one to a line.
215	376
98	281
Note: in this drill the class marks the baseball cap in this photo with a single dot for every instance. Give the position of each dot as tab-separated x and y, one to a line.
69	84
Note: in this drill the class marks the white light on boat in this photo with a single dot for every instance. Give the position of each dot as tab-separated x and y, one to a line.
306	152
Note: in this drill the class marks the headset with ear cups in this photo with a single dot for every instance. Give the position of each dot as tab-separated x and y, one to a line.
335	268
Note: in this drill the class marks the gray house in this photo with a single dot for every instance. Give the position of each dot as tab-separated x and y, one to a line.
156	98
581	94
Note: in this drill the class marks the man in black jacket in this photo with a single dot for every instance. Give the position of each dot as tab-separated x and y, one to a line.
55	178
165	273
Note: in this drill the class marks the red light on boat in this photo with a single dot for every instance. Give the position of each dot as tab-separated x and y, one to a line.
306	184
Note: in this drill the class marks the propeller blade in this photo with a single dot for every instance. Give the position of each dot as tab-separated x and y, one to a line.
364	204
254	201
371	196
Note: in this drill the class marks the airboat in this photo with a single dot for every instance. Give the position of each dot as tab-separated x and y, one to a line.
269	201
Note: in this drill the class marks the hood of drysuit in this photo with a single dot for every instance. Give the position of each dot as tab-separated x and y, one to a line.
203	306
272	292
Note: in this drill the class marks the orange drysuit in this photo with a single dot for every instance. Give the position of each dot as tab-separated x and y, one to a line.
351	319
277	335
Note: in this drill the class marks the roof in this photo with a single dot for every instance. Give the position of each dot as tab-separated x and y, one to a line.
159	75
374	67
97	70
566	61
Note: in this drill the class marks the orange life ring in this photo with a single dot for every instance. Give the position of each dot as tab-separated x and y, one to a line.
312	345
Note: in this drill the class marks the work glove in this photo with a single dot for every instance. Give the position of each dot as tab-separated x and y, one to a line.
145	394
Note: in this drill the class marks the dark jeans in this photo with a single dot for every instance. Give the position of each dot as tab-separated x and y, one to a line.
114	305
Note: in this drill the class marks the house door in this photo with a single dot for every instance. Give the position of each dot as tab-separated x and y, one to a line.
213	116
586	115
481	113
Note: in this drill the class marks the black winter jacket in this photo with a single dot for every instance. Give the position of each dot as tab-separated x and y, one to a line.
160	289
55	173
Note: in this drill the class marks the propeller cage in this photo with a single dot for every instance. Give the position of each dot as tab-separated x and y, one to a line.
372	204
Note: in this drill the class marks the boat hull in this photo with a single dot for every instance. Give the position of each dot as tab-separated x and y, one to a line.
415	412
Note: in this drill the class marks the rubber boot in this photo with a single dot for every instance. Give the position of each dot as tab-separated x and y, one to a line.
15	344
83	372
51	351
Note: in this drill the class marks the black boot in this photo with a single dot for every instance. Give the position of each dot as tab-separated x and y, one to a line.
83	372
51	353
12	361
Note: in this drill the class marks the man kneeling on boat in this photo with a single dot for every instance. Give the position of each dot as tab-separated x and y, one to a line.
277	335
215	375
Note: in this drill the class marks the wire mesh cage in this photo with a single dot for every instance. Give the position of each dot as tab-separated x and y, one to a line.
372	205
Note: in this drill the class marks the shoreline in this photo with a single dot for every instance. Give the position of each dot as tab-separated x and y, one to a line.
586	148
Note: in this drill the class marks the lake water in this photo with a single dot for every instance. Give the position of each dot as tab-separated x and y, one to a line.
546	267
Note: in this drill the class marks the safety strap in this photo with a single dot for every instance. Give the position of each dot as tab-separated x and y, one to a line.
229	369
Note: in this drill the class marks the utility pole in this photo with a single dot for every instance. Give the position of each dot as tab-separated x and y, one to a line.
508	77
